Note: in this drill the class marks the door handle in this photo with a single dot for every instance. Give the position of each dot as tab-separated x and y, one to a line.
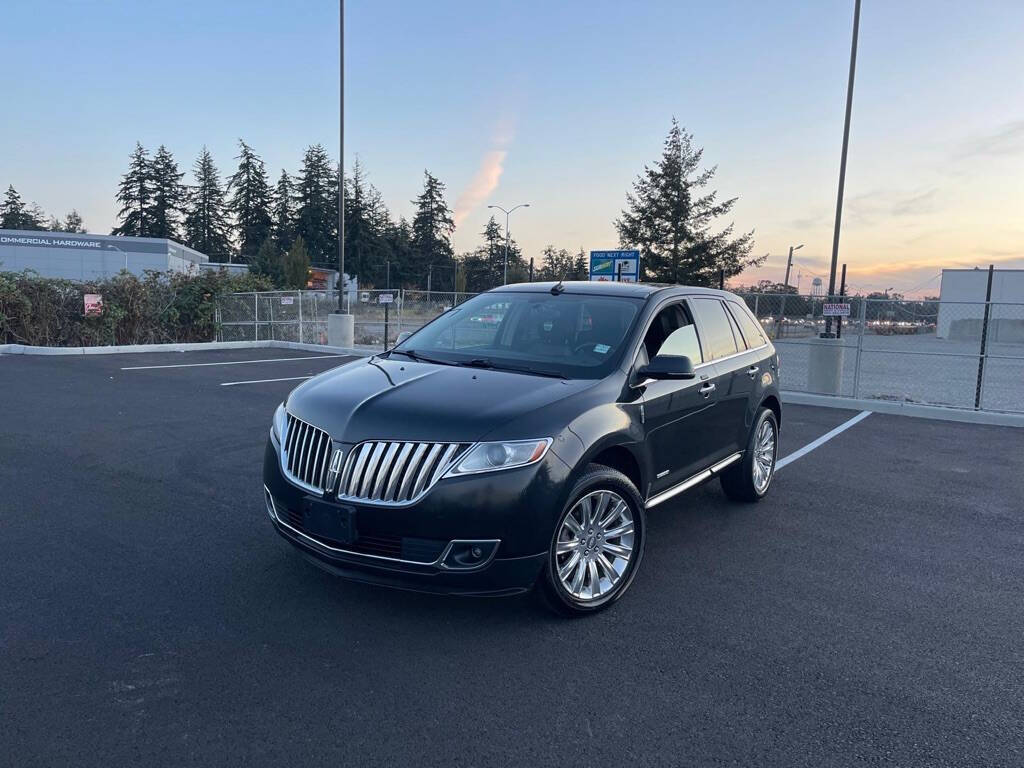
752	371
707	389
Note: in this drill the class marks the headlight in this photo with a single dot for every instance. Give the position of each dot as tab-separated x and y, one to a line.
485	457
277	427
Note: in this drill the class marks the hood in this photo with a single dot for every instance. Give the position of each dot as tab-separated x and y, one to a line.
379	399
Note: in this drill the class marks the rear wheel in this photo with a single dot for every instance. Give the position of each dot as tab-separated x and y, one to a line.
597	544
750	479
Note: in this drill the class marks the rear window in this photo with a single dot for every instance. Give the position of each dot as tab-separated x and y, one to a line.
715	327
752	332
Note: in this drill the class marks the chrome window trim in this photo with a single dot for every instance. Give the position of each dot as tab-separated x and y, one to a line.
689	482
438	563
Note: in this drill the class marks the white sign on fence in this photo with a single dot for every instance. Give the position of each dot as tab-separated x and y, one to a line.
386	298
287	300
836	310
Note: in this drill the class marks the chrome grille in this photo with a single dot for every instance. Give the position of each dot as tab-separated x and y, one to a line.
306	454
394	472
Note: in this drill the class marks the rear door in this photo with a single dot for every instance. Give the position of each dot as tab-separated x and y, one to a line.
721	348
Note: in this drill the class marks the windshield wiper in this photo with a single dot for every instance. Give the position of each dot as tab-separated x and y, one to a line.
483	362
412	354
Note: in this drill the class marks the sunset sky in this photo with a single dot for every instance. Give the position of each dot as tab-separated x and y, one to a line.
559	105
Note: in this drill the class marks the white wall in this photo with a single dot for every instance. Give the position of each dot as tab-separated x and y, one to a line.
968	285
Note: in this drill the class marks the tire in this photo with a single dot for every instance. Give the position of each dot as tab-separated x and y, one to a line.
743	481
567	582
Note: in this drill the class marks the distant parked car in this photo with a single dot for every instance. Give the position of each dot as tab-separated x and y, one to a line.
477	461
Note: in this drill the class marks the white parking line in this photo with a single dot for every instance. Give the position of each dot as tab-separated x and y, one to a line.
264	381
230	362
821	440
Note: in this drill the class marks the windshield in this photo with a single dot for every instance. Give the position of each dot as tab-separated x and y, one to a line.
575	336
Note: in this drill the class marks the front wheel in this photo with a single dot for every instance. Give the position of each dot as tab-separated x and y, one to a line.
750	478
597	544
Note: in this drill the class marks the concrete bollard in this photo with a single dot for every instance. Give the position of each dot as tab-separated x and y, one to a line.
825	366
341	330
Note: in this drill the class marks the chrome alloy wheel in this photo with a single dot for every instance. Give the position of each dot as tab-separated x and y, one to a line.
594	545
764	455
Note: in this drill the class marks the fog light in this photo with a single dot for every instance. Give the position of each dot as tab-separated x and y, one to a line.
464	555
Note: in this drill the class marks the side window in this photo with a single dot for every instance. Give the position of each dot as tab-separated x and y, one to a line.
478	329
672	332
716	328
750	328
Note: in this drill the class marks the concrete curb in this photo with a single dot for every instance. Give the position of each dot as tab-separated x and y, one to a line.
22	349
899	408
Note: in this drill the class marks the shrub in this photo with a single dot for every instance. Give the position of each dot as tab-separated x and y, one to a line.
156	308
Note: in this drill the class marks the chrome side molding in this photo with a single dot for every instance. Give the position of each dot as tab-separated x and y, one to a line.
697	479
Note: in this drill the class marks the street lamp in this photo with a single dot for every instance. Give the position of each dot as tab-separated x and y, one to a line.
507	214
111	245
789	263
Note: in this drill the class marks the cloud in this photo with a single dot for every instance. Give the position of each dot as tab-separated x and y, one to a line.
484	181
865	209
488	174
1008	140
915	204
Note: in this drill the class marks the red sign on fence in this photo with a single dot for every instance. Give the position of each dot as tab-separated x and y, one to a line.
93	304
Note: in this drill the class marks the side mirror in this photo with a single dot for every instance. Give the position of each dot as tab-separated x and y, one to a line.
667	367
402	337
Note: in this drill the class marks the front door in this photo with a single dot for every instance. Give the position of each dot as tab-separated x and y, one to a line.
678	415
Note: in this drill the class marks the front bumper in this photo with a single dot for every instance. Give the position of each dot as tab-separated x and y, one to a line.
407	547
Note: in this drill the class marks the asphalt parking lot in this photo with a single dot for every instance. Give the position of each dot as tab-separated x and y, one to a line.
870	611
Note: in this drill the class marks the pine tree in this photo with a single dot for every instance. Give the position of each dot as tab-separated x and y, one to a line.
670	222
168	196
135	194
206	224
73	223
367	223
316	206
250	202
283	213
13	213
432	229
581	269
269	261
295	271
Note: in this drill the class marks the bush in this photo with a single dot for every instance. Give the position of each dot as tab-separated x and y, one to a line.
154	309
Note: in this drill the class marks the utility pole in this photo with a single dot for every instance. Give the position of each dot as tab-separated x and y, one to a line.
789	262
341	154
842	160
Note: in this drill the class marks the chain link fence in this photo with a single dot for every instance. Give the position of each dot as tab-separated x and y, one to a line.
379	315
958	354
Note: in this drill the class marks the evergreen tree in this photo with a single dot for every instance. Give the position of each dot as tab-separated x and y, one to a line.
73	223
168	196
295	270
316	206
35	218
580	266
135	194
367	223
283	213
12	210
669	220
557	264
432	229
250	202
269	261
206	224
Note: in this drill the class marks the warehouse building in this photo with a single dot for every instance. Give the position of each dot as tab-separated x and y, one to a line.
962	305
92	257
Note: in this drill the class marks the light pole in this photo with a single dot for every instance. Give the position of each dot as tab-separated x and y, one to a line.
842	161
111	245
341	155
789	263
507	214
